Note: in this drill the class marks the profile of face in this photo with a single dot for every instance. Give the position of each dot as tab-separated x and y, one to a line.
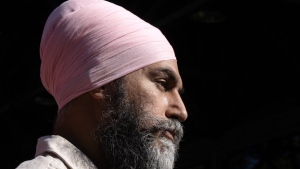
140	127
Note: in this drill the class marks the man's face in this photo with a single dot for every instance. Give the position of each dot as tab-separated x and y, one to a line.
140	127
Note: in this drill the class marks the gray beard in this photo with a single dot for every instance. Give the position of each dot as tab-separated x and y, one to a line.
132	138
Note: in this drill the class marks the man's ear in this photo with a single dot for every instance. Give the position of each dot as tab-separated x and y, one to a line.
98	93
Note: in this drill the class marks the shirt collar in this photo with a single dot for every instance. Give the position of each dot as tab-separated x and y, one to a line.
65	150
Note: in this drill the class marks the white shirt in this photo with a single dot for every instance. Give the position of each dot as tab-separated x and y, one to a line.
55	152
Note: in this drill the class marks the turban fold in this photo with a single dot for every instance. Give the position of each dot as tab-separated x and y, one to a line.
88	43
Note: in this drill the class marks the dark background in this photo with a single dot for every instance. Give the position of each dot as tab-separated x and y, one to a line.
239	61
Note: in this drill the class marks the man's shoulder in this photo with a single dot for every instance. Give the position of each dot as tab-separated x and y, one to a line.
42	162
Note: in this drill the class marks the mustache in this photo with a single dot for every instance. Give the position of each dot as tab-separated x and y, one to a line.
161	125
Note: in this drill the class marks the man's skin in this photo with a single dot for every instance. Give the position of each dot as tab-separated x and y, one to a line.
159	83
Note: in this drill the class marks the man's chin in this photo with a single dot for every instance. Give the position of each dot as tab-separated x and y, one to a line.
164	154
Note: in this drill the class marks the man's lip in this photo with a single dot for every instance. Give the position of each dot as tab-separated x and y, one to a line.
169	135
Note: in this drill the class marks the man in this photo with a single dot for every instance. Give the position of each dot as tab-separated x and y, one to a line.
117	86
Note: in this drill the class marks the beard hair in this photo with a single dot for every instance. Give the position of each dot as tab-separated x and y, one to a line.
132	138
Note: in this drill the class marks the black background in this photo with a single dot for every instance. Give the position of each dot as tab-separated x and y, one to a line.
239	61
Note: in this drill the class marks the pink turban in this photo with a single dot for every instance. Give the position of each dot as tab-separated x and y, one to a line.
89	43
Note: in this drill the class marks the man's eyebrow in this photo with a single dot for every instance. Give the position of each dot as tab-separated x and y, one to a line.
171	75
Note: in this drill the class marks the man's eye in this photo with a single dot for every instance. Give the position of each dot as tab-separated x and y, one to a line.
162	83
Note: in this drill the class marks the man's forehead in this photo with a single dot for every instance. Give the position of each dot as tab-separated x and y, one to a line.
168	68
166	64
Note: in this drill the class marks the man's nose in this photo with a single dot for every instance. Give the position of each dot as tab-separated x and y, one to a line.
176	108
